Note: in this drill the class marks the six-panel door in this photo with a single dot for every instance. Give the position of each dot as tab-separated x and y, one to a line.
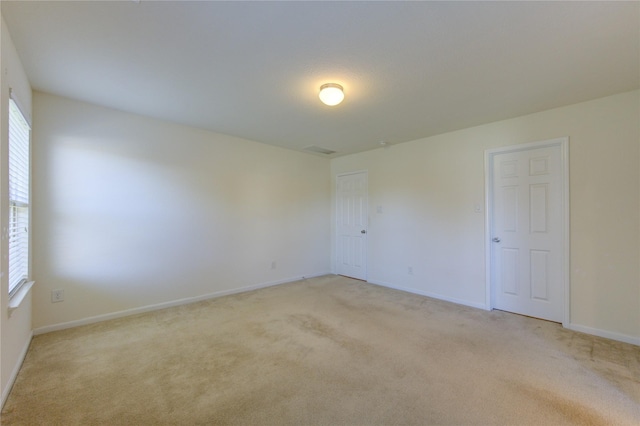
527	250
351	225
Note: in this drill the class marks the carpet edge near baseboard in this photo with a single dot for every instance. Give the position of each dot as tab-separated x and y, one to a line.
16	369
163	305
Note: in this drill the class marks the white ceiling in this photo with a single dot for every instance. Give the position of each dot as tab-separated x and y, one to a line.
253	69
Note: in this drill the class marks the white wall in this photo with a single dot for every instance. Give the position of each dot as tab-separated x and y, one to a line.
15	330
132	212
428	190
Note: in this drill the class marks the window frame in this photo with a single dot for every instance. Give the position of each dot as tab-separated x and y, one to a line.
19	194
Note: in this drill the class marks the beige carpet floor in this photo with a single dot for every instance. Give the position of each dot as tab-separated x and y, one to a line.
325	351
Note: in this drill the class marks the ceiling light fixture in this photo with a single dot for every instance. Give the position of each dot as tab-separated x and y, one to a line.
331	94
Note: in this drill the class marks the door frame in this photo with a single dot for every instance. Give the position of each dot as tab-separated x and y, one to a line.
489	156
335	222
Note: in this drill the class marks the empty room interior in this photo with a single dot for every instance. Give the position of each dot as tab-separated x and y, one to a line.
320	212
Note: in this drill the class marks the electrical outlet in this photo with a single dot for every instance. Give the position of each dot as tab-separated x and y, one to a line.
410	270
57	296
274	265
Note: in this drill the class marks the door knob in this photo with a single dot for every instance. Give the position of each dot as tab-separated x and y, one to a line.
496	240
363	232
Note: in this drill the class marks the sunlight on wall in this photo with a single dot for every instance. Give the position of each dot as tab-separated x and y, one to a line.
132	212
106	210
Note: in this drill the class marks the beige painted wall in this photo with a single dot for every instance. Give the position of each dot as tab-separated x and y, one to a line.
132	212
15	329
428	190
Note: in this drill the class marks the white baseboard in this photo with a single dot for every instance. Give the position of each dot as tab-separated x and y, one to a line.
90	320
575	327
604	333
429	294
15	371
163	305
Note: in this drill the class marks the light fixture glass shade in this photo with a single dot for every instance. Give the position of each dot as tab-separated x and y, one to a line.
331	94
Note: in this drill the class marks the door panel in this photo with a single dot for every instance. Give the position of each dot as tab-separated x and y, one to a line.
510	209
538	208
527	249
510	271
351	225
539	261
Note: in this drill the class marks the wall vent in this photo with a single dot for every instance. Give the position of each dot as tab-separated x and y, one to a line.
319	150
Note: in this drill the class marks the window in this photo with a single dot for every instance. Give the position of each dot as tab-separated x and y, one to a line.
18	198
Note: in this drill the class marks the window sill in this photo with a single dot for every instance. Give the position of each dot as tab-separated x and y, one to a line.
16	299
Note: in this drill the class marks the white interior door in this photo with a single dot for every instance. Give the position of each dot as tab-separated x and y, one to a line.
351	226
527	229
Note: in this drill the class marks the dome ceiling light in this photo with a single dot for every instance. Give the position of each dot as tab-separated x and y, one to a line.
331	94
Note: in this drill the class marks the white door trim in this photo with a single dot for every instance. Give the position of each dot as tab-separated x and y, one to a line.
489	155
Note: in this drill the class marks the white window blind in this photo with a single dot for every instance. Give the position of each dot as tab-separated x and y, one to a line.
18	198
